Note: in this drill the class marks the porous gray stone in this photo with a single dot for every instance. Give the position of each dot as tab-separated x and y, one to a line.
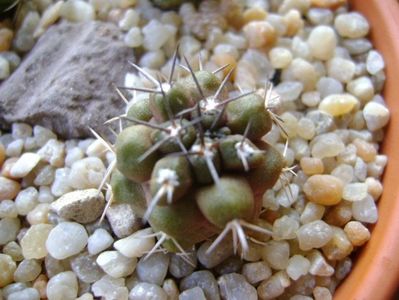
65	82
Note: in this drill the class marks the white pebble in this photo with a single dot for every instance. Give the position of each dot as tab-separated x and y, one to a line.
53	152
130	19
133	38
86	173
314	235
8	209
280	57
152	59
362	88
355	191
25	294
297	266
341	69
319	265
26	200
24	164
74	154
276	254
374	63
99	241
376	115
137	244
327	145
4	68
365	210
14	148
9	228
322	42
42	135
45	195
351	25
66	239
77	11
21	130
157	34
115	264
110	288
147	291
33	243
63	286
256	272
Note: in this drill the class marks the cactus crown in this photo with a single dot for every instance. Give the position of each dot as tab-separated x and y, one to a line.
193	146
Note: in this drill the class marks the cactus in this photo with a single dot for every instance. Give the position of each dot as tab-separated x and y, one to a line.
192	160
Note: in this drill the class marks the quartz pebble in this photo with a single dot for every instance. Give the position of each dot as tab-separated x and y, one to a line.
153	269
322	42
355	191
339	246
85	267
219	253
24	165
256	272
259	34
357	233
147	291
77	11
110	288
25	294
156	34
137	244
323	189
26	200
8	209
314	235
115	264
14	250
322	293
63	286
170	288
99	241
66	239
181	267
27	270
297	267
319	265
276	254
134	38
4	68
374	63
9	228
86	173
8	188
274	286
338	104
365	210
376	115
83	206
327	145
341	69
34	241
203	279
235	286
351	25
53	152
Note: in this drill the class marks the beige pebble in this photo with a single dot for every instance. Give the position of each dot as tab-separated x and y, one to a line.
338	104
301	5
305	72
7	165
323	189
9	189
365	150
40	284
340	214
2	154
39	214
24	164
259	34
321	293
6	36
339	246
374	188
332	4
280	57
49	17
293	22
357	233
255	13
7	267
312	165
362	88
34	241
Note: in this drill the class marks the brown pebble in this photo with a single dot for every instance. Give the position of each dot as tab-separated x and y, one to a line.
2	154
224	59
323	189
260	34
6	36
40	285
9	189
293	21
340	214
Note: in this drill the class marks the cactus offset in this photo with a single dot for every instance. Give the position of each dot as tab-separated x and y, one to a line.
193	148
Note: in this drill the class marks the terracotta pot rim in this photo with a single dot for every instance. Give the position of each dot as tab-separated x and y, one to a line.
376	271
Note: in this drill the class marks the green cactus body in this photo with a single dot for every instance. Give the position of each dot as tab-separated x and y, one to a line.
201	175
181	129
140	109
232	198
171	173
127	191
247	108
234	149
131	144
183	221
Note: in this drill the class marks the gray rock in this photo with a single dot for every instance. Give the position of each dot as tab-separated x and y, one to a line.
235	287
85	267
123	220
180	267
231	265
154	268
65	82
221	252
203	279
83	206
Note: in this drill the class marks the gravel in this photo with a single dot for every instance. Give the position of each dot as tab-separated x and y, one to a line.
328	78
